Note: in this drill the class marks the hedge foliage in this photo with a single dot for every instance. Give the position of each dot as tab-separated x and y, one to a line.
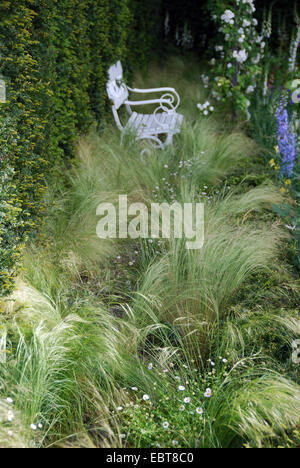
54	56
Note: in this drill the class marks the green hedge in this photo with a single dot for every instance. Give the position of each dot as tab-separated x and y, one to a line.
54	56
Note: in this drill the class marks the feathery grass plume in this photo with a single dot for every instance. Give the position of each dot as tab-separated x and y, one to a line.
213	152
245	404
270	333
263	409
62	370
254	407
191	289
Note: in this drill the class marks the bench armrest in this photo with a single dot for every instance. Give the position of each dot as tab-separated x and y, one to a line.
148	101
151	90
170	96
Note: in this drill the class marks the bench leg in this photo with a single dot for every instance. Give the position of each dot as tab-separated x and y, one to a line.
169	139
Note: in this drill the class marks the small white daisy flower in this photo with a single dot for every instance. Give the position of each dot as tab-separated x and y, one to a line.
181	388
199	410
166	425
146	397
208	393
187	400
33	427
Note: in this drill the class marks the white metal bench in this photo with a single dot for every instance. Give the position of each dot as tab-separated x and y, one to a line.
163	121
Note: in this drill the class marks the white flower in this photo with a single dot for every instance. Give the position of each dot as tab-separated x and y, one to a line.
228	16
181	408
291	228
175	442
10	416
246	23
151	365
134	389
257	59
213	61
199	410
187	400
255	22
240	56
40	425
181	388
33	427
208	393
212	363
224	360
250	89
205	112
229	65
119	408
10	433
9	400
211	108
165	425
146	397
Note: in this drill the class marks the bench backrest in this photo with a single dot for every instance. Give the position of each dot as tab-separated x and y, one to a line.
116	88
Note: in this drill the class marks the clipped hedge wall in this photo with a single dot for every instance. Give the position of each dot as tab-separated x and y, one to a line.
54	56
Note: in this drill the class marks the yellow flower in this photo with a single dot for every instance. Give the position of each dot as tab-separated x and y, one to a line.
287	182
276	168
282	190
276	149
272	162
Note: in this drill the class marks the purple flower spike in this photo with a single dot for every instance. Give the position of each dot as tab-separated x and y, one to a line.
286	142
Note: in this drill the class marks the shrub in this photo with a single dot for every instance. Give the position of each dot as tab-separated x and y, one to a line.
54	59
